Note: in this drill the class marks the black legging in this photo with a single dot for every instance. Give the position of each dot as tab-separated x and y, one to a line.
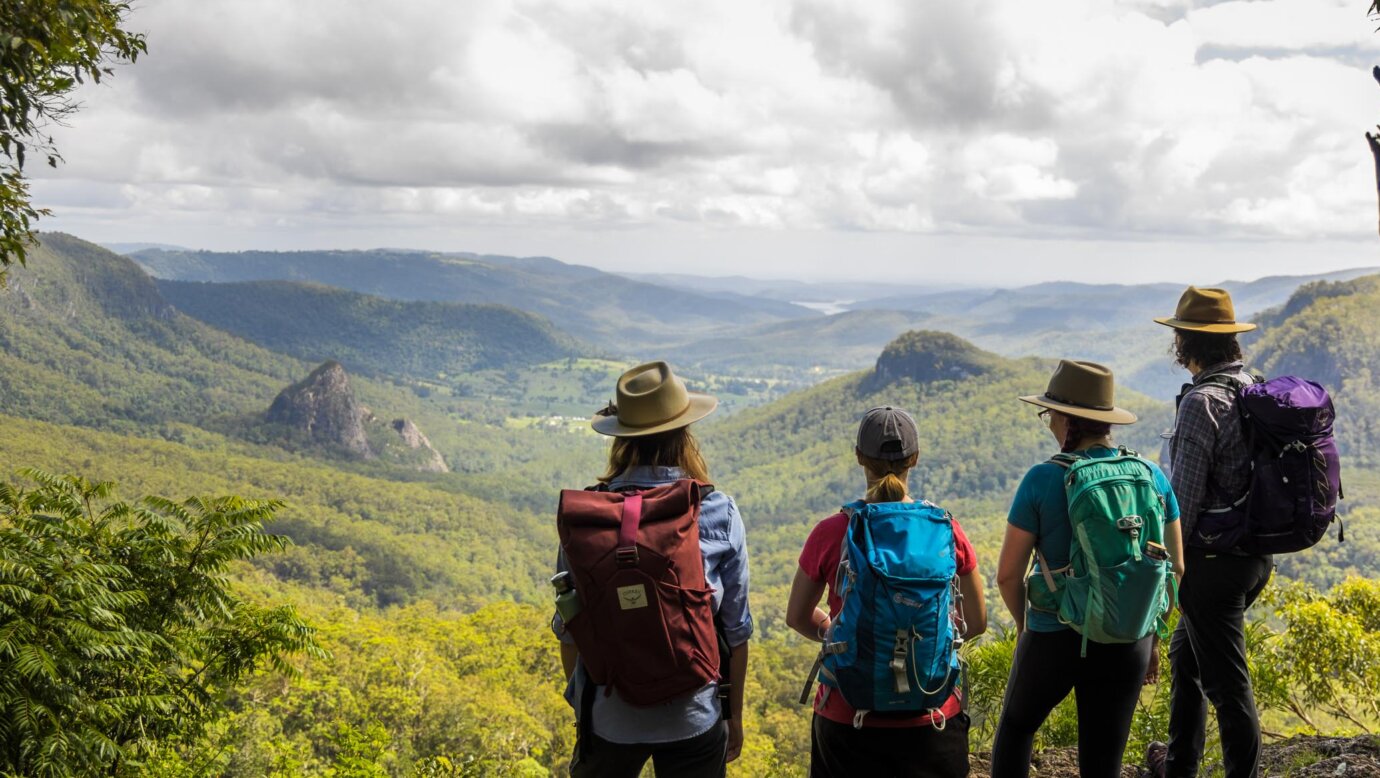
1106	685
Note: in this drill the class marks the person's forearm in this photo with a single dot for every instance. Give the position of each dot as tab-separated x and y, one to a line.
813	629
1013	594
737	676
568	654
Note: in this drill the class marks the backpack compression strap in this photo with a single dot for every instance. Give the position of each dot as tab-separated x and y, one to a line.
626	552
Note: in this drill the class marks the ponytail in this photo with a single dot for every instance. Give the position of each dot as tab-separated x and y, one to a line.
890	489
891	477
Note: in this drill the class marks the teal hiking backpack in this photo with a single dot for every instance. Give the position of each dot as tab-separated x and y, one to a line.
1117	587
894	644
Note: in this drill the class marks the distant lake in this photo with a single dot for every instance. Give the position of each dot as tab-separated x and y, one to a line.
829	308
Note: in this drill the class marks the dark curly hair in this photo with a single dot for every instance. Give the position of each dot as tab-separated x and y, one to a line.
1204	348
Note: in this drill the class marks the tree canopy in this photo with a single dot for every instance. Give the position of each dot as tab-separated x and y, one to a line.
47	48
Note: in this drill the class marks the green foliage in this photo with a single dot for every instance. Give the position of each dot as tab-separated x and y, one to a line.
118	626
1322	660
413	691
47	48
371	540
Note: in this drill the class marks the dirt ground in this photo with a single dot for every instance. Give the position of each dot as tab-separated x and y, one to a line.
1334	757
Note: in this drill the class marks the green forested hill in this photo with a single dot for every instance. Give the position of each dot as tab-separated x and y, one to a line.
599	307
793	458
373	335
1330	332
87	339
367	539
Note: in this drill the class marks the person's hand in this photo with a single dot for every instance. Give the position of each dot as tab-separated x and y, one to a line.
735	739
1152	671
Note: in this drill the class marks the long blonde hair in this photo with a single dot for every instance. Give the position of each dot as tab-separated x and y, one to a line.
674	448
891	475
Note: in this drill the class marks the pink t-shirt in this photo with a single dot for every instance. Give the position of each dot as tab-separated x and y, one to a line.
820	561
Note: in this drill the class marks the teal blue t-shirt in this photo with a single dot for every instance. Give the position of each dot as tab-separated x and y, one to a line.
1041	508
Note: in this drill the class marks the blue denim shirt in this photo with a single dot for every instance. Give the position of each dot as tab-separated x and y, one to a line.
723	543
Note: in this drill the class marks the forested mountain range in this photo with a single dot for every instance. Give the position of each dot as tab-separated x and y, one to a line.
413	576
374	335
1103	322
604	309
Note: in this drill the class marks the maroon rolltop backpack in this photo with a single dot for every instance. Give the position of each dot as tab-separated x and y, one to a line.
646	620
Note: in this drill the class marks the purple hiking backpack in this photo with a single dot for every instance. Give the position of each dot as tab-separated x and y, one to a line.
1296	476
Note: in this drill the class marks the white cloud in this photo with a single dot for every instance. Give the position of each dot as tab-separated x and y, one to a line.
1079	119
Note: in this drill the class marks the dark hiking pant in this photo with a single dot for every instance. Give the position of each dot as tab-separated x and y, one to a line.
1106	685
701	756
840	751
1207	662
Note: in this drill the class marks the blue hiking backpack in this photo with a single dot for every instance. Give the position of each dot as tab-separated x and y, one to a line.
894	644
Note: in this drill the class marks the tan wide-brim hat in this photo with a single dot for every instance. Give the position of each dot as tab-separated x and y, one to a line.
1083	389
651	399
1206	310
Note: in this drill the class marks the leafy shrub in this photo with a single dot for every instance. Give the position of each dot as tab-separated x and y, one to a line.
119	632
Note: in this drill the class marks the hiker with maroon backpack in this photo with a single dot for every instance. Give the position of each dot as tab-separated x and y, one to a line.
1255	468
652	585
903	594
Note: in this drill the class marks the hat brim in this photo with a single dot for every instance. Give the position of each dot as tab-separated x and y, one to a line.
1198	326
1114	416
701	405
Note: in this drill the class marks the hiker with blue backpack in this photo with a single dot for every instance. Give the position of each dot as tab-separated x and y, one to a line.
1101	523
1255	468
652	594
903	594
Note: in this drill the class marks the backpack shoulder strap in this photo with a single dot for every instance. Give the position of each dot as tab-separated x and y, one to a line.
1065	460
1229	381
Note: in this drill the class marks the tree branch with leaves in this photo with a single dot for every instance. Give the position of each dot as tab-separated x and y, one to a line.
47	49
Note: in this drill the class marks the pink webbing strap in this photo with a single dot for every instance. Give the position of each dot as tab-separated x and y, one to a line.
627	531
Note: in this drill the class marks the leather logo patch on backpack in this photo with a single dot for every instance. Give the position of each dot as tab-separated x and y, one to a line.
631	597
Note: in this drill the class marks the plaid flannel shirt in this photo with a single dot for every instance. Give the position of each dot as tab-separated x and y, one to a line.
1210	465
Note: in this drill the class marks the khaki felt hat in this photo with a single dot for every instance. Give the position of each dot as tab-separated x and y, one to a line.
651	399
1083	389
1206	310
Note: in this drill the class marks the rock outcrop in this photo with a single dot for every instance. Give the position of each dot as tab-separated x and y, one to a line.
414	439
323	408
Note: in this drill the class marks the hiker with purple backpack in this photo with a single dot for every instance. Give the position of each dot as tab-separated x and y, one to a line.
1255	469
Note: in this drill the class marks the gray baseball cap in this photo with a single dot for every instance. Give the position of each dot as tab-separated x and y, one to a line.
888	433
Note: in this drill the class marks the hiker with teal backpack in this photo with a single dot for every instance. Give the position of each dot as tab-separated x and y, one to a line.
1102	525
903	594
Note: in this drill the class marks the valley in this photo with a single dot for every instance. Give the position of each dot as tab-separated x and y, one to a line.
184	373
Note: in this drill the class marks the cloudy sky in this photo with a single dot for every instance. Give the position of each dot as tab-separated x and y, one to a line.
993	141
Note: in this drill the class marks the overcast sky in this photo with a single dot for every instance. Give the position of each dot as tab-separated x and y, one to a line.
994	141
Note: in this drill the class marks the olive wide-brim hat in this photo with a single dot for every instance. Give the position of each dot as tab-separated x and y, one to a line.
651	399
1206	310
1083	389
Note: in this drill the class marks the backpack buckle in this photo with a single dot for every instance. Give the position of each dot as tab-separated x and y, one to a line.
626	556
1128	523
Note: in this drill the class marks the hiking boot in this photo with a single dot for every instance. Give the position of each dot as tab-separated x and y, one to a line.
1155	755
